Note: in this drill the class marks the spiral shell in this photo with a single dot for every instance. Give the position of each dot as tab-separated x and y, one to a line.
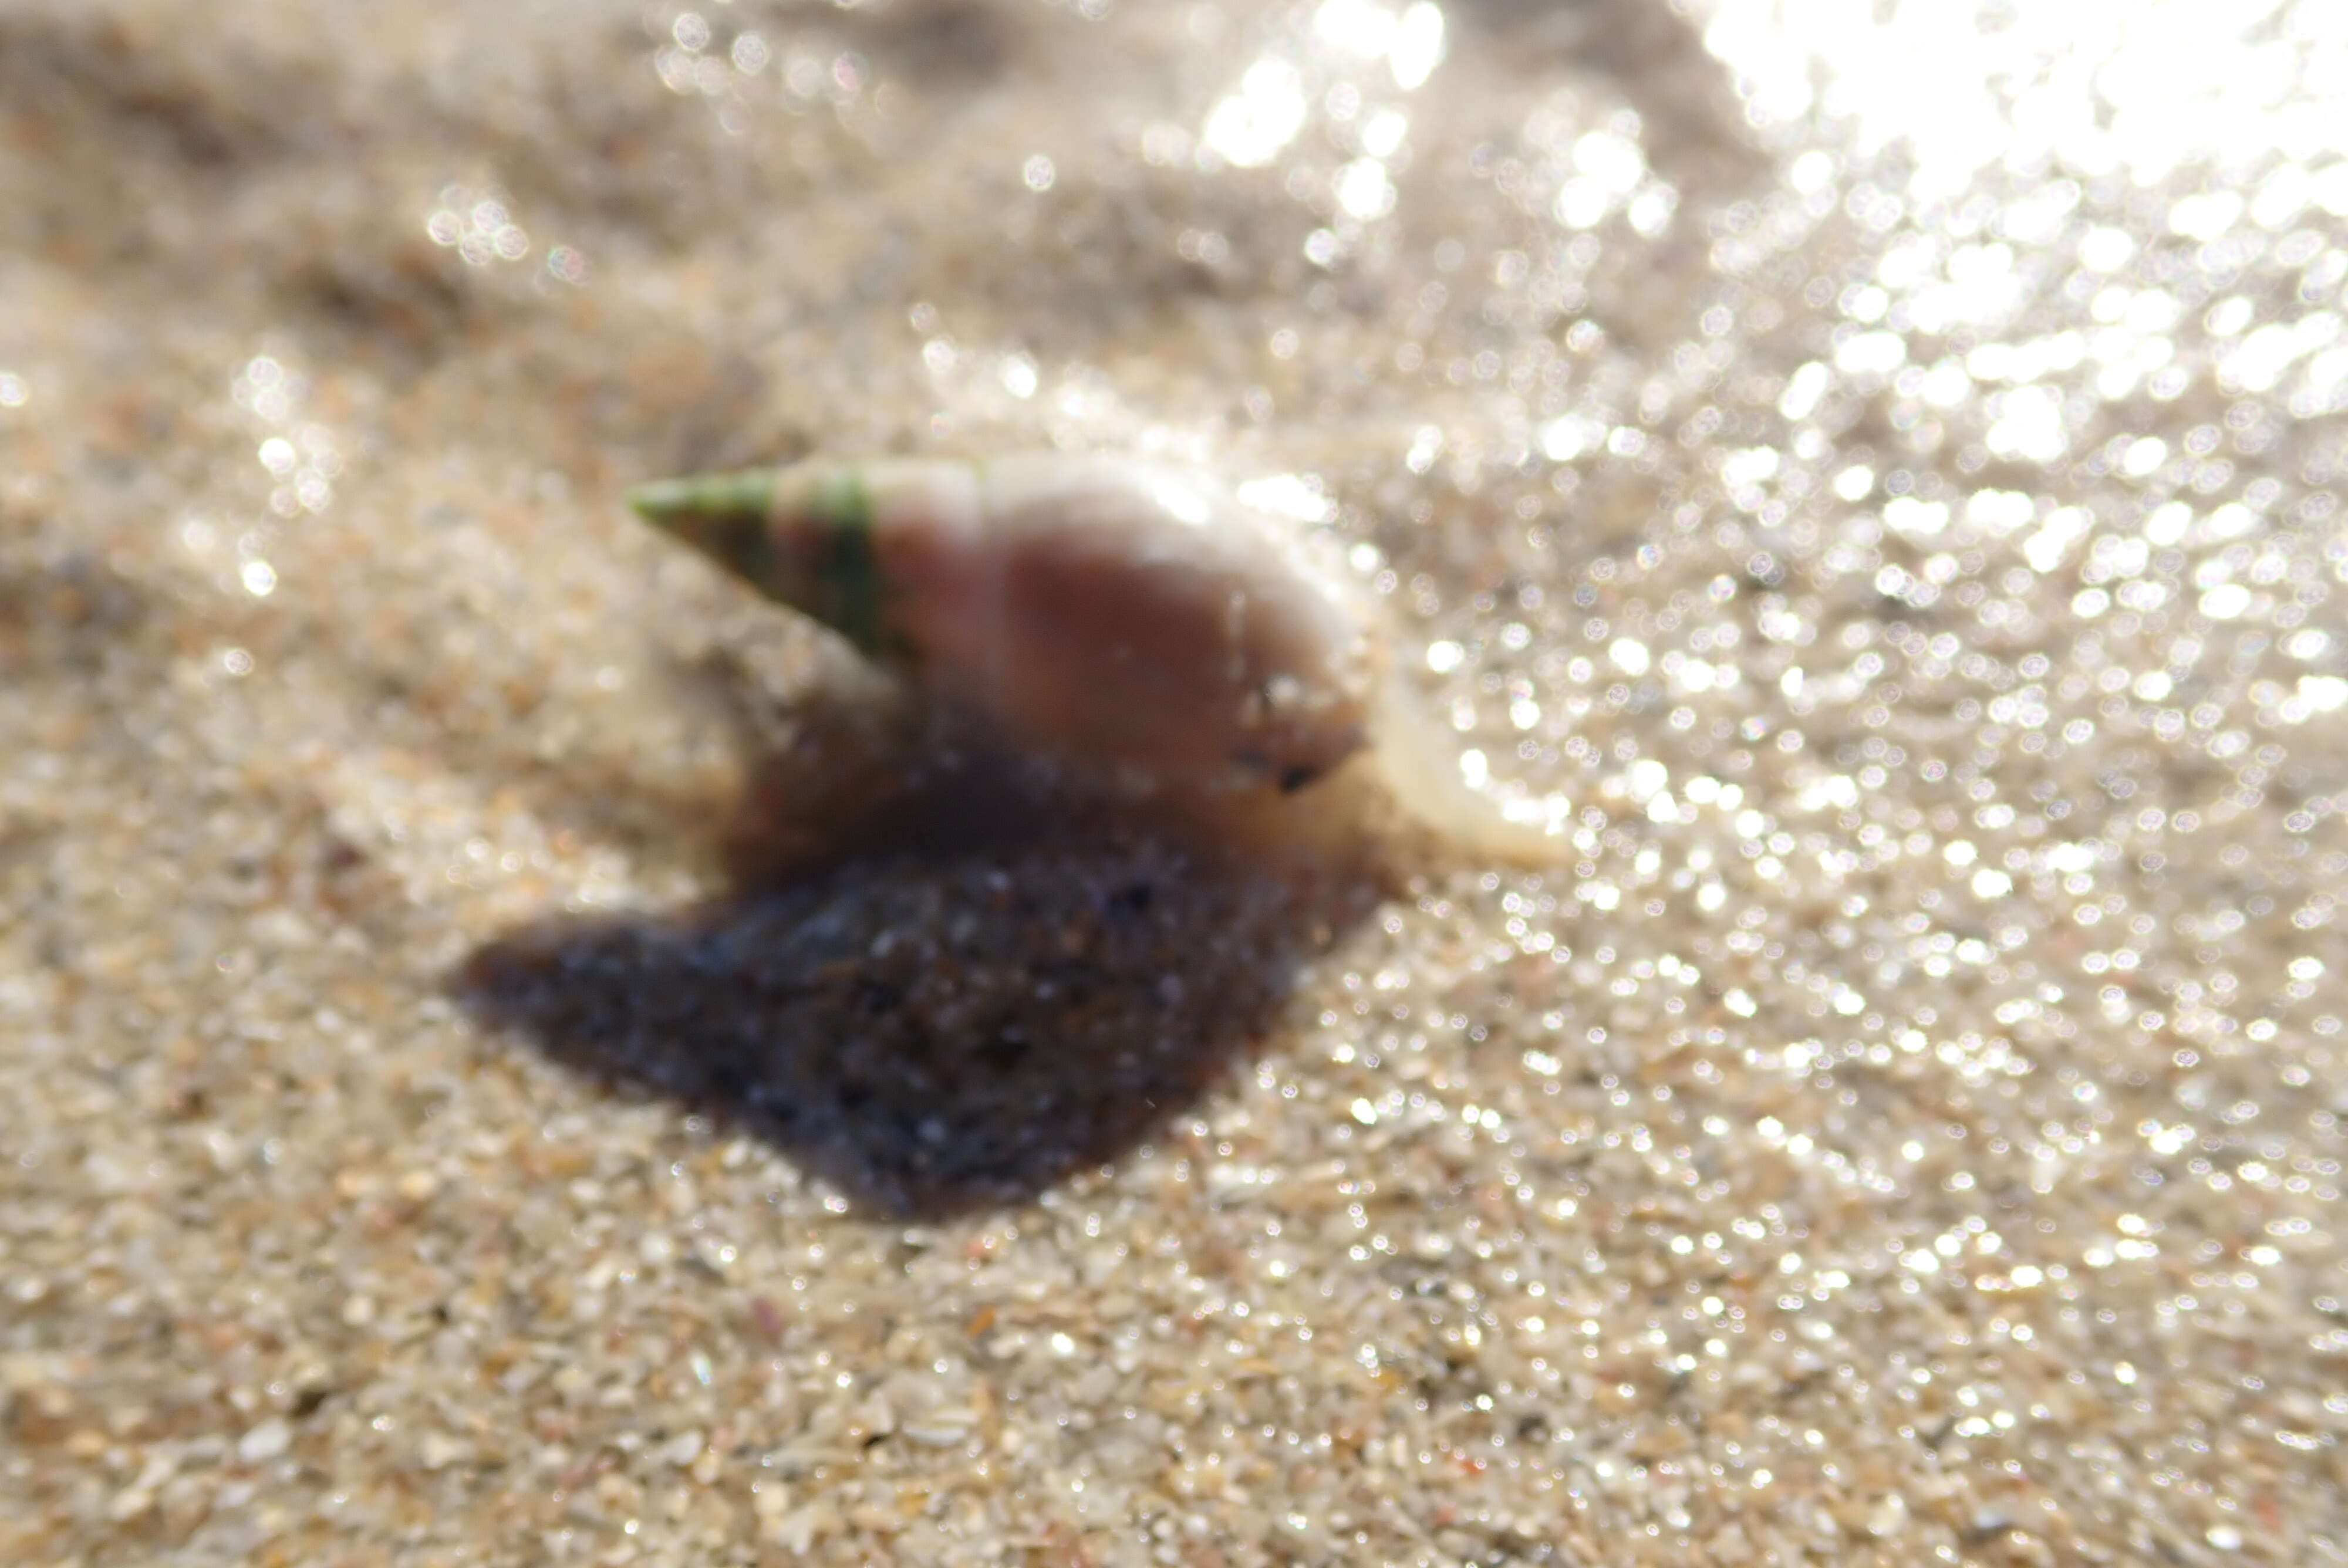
1098	610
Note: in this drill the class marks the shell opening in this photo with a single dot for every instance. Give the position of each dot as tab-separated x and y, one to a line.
1424	771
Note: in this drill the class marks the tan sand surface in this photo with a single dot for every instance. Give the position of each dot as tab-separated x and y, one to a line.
1880	465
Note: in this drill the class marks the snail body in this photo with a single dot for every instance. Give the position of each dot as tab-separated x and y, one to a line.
1110	613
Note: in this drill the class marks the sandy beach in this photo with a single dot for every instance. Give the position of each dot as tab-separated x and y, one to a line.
472	1092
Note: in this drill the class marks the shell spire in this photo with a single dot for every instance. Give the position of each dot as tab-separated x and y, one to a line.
802	536
674	503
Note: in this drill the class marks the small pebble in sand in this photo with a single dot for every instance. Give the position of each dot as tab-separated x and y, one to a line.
1110	613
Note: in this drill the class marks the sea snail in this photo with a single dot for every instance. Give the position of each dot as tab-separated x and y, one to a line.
1099	610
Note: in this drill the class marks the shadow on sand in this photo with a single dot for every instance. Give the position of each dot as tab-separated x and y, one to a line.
980	1002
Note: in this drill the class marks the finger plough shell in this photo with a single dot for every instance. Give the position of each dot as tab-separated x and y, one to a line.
1101	611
